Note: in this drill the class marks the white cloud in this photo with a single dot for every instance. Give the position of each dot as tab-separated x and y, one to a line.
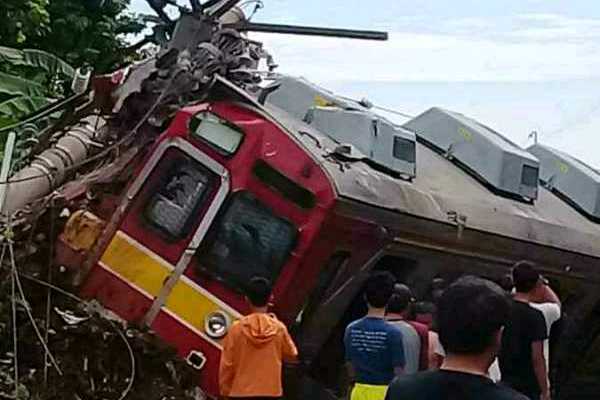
542	48
435	57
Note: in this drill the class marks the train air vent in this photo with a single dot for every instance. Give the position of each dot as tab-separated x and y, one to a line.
498	163
348	122
375	137
297	96
571	179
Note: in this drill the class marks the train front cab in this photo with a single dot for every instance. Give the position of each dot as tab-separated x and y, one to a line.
224	195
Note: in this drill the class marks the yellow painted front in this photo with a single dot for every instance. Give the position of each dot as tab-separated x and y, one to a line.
191	305
137	265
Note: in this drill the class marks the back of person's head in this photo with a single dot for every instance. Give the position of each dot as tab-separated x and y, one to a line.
258	291
401	300
379	288
471	313
507	283
525	276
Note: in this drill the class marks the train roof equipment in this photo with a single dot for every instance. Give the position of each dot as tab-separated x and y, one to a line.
572	180
348	122
498	163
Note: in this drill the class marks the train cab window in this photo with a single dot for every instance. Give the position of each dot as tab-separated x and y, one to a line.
182	189
216	132
247	240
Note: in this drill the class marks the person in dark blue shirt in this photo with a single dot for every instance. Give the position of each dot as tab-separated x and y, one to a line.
373	346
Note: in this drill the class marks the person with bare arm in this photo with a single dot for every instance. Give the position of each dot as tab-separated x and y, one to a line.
523	361
471	315
549	304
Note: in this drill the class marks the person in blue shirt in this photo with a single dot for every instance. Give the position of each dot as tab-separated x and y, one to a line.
374	347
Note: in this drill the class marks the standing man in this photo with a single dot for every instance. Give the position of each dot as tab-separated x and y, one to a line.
374	347
522	360
548	303
471	315
254	350
415	336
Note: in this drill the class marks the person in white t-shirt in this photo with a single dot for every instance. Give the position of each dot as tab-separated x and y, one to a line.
546	301
549	305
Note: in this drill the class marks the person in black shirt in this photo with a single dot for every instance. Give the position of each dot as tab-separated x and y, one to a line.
471	315
522	359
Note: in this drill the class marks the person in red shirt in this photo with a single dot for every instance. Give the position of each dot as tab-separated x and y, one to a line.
255	349
399	312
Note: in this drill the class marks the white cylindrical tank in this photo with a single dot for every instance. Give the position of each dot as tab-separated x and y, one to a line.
50	168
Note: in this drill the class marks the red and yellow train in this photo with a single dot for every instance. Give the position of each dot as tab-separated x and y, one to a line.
234	188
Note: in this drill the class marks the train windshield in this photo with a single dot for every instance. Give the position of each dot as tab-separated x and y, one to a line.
247	240
184	185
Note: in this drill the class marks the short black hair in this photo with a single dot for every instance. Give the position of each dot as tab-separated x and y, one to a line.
401	299
379	288
525	276
470	312
258	291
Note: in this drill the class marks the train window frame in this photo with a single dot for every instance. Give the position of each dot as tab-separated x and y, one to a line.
530	176
398	149
196	122
228	276
163	176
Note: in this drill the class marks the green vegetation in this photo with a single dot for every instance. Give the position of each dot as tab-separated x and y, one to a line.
29	79
81	32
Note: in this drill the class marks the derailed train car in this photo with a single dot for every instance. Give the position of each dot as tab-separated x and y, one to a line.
236	188
453	219
312	191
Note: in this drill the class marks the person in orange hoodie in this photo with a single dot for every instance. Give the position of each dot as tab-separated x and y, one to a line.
254	350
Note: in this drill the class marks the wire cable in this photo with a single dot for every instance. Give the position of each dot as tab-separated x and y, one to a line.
28	310
77	299
389	110
14	323
258	6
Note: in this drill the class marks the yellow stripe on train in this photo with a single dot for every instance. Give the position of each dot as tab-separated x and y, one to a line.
145	270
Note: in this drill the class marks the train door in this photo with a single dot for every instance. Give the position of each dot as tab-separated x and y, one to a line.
167	211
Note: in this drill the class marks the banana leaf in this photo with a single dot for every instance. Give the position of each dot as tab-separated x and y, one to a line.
18	107
37	59
11	86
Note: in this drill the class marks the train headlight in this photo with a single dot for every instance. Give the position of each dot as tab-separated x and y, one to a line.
216	324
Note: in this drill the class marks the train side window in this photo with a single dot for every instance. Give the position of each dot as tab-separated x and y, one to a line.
404	149
248	240
183	186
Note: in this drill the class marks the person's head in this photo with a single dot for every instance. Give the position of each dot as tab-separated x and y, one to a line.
401	300
379	288
258	292
526	277
471	315
506	283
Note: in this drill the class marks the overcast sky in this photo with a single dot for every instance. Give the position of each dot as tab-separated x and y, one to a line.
517	65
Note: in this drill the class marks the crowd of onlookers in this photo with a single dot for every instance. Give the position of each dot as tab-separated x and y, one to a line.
487	342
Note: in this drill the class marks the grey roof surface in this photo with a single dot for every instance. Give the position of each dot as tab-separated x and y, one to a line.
441	187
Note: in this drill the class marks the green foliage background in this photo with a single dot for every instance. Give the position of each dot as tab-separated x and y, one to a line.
80	32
